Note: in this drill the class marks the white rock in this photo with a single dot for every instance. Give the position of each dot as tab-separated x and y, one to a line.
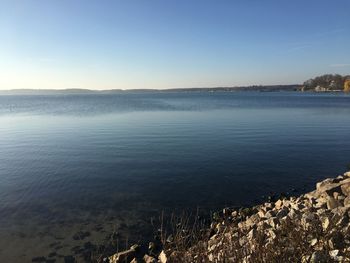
334	253
313	241
279	204
325	223
162	257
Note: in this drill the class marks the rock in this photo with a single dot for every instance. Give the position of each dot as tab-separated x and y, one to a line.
135	247
334	253
287	203
332	203
305	259
282	213
320	186
243	240
339	216
149	259
297	206
318	257
124	256
162	257
321	202
254	219
307	217
273	222
347	201
294	214
252	234
325	223
262	225
279	204
261	214
270	214
313	241
271	233
267	206
344	221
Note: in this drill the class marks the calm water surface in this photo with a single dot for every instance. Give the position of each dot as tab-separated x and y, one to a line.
98	163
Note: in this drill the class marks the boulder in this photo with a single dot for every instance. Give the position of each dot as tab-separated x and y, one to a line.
347	174
332	203
345	188
162	257
326	184
347	201
254	219
279	204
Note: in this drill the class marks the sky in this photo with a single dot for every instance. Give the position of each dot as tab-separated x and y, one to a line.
60	44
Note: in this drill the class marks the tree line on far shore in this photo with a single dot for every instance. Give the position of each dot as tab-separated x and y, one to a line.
328	82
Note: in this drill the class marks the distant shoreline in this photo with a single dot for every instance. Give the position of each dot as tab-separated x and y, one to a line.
260	88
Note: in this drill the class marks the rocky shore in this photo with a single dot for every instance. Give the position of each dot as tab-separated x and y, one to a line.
313	227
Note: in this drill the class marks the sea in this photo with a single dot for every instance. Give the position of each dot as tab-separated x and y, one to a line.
75	168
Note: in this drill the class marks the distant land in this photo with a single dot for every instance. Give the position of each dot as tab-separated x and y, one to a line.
328	83
261	88
323	83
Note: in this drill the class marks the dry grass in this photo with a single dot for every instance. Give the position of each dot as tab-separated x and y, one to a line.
190	239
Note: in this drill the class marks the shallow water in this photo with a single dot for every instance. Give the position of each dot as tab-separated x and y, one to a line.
100	163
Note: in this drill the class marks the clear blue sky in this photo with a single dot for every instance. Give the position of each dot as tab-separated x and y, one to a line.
167	44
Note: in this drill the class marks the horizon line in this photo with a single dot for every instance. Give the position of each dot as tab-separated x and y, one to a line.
150	89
